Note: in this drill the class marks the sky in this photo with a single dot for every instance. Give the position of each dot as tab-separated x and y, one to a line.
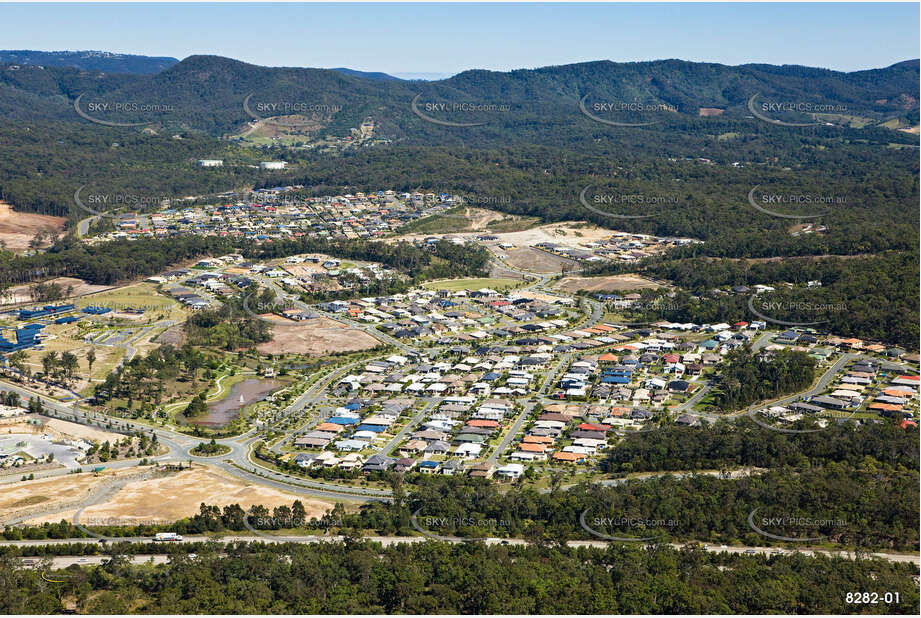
443	39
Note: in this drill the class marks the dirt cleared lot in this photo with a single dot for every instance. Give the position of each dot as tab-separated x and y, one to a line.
57	429
535	260
22	494
569	234
315	337
18	228
78	287
614	283
170	498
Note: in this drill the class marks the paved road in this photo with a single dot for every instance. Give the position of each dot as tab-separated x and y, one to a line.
693	399
84	225
409	426
512	432
235	463
553	375
396	540
762	341
62	562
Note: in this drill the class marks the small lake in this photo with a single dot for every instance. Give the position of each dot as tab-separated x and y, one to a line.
242	394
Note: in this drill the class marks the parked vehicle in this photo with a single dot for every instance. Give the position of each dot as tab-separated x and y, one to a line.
167	536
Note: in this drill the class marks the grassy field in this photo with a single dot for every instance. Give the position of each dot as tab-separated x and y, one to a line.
454	221
139	296
455	285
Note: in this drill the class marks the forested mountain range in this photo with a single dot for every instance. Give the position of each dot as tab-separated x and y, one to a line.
105	62
207	92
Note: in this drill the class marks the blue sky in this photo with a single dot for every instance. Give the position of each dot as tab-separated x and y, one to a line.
448	38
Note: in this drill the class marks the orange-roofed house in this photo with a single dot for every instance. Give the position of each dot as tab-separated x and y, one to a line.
593	427
886	407
537	440
329	427
607	358
482	423
899	392
569	457
530	447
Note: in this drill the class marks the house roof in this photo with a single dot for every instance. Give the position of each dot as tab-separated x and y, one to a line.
566	456
482	423
532	447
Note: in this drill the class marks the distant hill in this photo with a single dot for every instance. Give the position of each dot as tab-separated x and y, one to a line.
207	93
422	76
104	62
366	74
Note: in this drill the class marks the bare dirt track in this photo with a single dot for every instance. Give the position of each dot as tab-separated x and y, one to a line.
18	228
316	337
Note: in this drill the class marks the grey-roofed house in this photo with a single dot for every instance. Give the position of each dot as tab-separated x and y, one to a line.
377	463
437	447
829	402
800	406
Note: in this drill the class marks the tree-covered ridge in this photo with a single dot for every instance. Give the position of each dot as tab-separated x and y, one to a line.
703	507
748	377
742	443
44	164
124	260
873	297
429	578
